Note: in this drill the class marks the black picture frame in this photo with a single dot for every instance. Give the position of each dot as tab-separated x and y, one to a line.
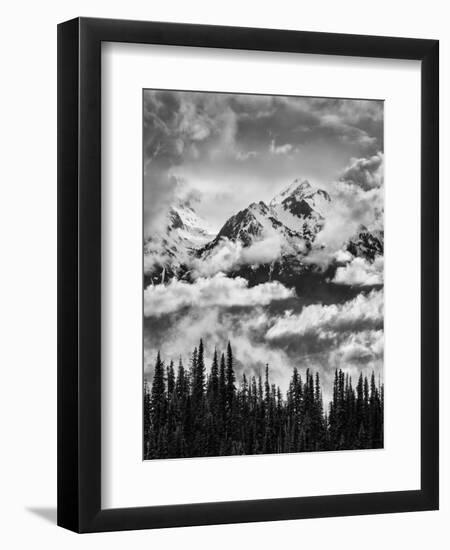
79	274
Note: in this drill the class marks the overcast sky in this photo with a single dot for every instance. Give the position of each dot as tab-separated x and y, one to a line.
228	150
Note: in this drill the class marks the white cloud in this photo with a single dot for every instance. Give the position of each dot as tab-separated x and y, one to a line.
357	347
322	338
365	172
365	345
228	255
325	321
280	149
361	272
215	291
357	201
216	326
343	256
351	209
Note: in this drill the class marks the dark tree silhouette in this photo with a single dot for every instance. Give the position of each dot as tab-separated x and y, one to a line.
195	413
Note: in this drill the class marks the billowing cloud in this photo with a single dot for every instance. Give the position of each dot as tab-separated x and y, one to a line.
216	326
209	292
178	128
361	272
367	173
323	338
229	255
351	210
362	346
357	204
364	311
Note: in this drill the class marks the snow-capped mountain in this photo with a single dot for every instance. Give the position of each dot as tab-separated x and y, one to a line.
367	244
289	223
246	224
295	214
167	253
300	198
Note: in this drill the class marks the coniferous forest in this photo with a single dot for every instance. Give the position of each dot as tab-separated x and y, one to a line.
192	412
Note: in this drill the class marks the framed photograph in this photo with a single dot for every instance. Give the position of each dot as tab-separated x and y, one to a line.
247	275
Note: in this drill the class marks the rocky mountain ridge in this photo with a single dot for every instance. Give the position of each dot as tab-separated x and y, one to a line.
288	225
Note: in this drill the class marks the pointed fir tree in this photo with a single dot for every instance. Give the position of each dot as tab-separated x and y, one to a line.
213	382
198	370
157	407
183	416
230	377
170	379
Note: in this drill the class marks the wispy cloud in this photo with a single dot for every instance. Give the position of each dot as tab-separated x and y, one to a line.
284	149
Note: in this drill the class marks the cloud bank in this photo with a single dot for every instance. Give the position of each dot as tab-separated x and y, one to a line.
360	272
229	255
210	292
323	337
325	321
357	202
366	173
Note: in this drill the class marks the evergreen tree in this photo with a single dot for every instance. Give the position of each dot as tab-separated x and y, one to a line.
147	420
157	407
213	382
193	371
221	409
170	379
200	414
198	376
230	377
230	408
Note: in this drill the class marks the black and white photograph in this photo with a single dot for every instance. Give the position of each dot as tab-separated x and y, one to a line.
263	274
225	287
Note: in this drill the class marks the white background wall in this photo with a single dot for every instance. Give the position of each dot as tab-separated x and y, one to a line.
28	271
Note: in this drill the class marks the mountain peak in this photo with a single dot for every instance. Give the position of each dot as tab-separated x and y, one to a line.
246	224
167	250
182	216
301	184
258	207
298	189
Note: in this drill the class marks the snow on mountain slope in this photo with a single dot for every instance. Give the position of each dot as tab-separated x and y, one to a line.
301	194
191	229
367	244
246	224
261	242
291	214
301	208
167	253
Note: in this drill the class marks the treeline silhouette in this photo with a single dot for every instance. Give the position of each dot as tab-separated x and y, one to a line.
189	413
